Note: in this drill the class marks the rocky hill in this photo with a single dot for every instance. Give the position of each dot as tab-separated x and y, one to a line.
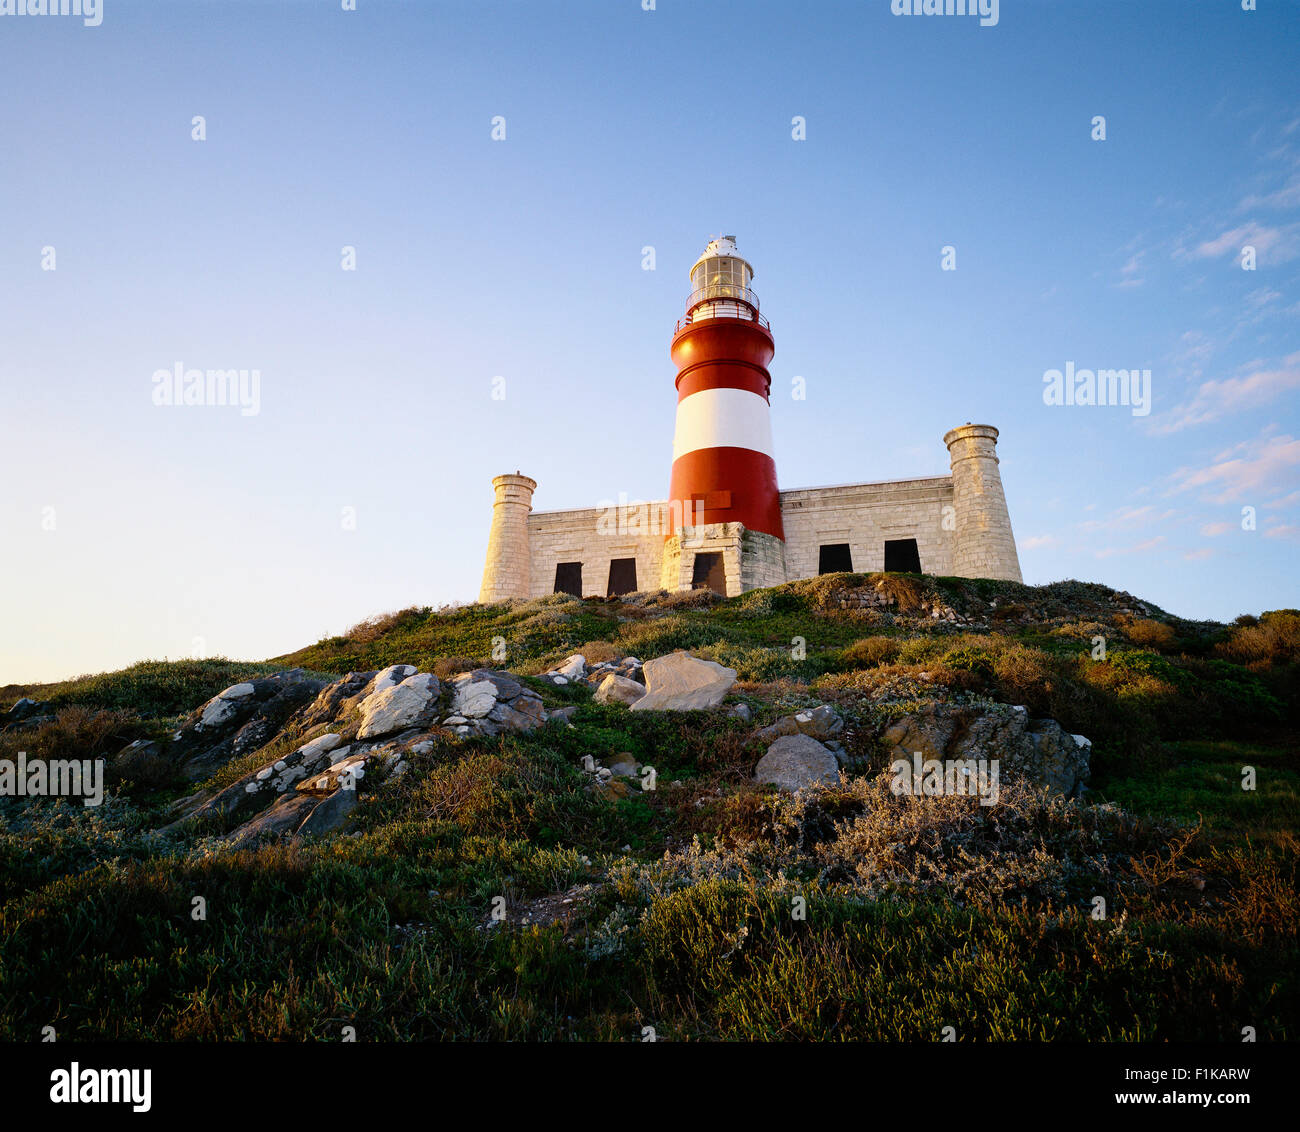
585	818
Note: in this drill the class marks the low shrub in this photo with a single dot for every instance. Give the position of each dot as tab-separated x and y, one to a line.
1149	634
869	652
1272	639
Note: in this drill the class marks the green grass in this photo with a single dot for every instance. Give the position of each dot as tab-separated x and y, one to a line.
530	631
684	919
151	687
1204	783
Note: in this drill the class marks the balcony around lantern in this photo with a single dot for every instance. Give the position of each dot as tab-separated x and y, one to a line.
722	300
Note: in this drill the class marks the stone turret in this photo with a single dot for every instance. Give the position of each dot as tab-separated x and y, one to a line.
507	572
983	546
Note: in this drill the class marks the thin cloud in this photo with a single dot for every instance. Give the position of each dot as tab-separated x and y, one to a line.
1274	243
1130	273
1257	467
1127	517
1039	542
1288	196
1215	399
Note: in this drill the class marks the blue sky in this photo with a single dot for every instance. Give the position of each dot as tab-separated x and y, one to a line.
135	530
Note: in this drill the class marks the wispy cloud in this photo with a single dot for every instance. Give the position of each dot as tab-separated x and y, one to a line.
1214	399
1039	542
1275	243
1131	273
1127	518
1288	196
1258	467
1286	501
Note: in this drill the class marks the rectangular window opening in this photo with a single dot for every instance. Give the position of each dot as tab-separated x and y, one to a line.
568	578
902	556
622	576
835	558
708	573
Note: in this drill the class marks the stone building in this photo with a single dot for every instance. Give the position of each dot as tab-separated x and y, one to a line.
726	524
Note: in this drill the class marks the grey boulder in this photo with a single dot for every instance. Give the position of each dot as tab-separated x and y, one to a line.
681	682
797	762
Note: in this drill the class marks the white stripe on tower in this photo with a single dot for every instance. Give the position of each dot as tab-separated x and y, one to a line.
723	418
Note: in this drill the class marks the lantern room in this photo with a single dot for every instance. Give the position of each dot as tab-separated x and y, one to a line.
721	273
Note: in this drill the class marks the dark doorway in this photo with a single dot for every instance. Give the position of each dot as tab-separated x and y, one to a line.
902	556
622	576
568	578
835	558
708	573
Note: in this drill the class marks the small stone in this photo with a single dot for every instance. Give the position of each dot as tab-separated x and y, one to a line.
624	766
615	689
574	668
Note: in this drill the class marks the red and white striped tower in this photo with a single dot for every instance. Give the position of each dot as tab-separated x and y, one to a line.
723	465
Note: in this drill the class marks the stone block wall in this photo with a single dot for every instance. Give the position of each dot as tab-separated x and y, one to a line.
762	561
865	515
594	537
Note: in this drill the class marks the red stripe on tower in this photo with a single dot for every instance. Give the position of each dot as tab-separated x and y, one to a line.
724	470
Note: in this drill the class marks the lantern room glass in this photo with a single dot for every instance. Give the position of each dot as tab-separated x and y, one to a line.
720	277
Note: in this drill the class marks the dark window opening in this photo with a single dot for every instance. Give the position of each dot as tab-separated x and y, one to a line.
835	558
902	556
708	573
568	578
622	576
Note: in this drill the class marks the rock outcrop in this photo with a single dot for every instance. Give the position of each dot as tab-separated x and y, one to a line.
822	722
238	721
576	670
358	732
394	707
1040	750
487	702
26	713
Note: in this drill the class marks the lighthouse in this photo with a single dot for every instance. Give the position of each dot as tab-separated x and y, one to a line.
725	531
726	526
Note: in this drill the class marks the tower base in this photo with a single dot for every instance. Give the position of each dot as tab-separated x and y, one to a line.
725	557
